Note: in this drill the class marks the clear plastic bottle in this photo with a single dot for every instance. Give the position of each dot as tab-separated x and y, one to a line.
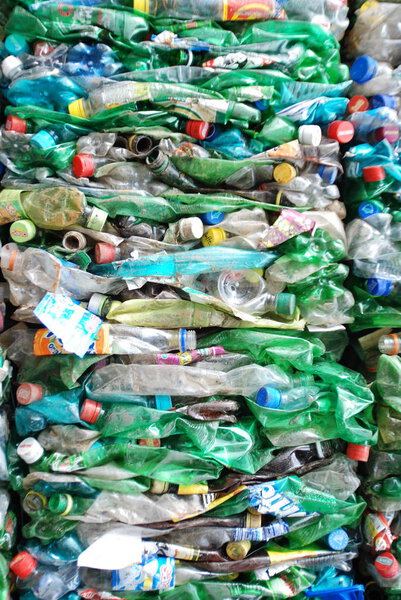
372	77
247	290
390	344
293	399
47	583
245	228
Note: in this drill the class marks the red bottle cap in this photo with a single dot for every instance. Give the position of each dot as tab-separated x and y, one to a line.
104	253
29	392
83	165
357	104
14	123
90	411
391	133
374	173
341	131
387	565
23	564
197	129
358	452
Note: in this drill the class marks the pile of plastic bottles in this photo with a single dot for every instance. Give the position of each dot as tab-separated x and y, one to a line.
371	191
178	284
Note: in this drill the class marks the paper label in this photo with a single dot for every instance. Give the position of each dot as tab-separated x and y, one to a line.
10	206
75	327
153	573
268	500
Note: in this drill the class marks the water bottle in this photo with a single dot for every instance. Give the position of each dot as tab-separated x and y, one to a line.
293	399
372	77
47	583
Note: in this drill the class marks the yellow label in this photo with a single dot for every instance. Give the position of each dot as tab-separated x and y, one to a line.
10	206
141	6
280	557
213	504
196	488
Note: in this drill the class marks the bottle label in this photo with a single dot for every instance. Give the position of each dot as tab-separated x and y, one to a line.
240	10
76	327
261	534
153	573
267	498
198	109
46	343
186	358
211	501
377	532
196	488
289	224
10	206
97	219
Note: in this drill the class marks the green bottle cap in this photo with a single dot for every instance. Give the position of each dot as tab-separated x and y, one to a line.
286	303
60	504
22	231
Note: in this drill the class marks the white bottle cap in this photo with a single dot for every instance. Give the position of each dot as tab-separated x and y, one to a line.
9	64
310	135
30	450
191	229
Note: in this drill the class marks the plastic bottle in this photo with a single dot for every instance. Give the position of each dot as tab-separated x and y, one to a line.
221	11
376	125
372	77
51	208
293	399
390	344
248	291
46	583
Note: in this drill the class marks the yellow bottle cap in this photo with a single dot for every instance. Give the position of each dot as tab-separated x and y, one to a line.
284	172
141	6
214	236
77	109
260	272
253	511
238	550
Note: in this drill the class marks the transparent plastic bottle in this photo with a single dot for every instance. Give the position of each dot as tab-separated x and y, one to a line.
390	344
293	399
247	290
47	583
372	77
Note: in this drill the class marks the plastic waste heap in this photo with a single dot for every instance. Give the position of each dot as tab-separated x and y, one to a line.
183	253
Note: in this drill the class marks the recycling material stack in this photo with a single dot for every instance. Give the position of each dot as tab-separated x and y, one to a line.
178	289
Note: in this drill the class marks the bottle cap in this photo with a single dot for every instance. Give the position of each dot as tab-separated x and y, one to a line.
104	253
269	396
386	565
14	123
9	64
379	287
286	303
341	131
380	100
90	411
369	208
328	174
96	219
77	109
390	132
60	504
214	236
262	104
358	452
191	228
238	550
74	240
83	165
16	44
187	340
23	564
22	231
310	135
28	393
43	140
337	539
214	132
213	217
30	450
357	104
363	69
96	303
372	174
197	129
284	172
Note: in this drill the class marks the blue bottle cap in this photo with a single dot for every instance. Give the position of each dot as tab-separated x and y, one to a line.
269	397
328	174
363	69
262	104
379	100
379	287
367	209
213	217
43	140
214	132
16	44
337	539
